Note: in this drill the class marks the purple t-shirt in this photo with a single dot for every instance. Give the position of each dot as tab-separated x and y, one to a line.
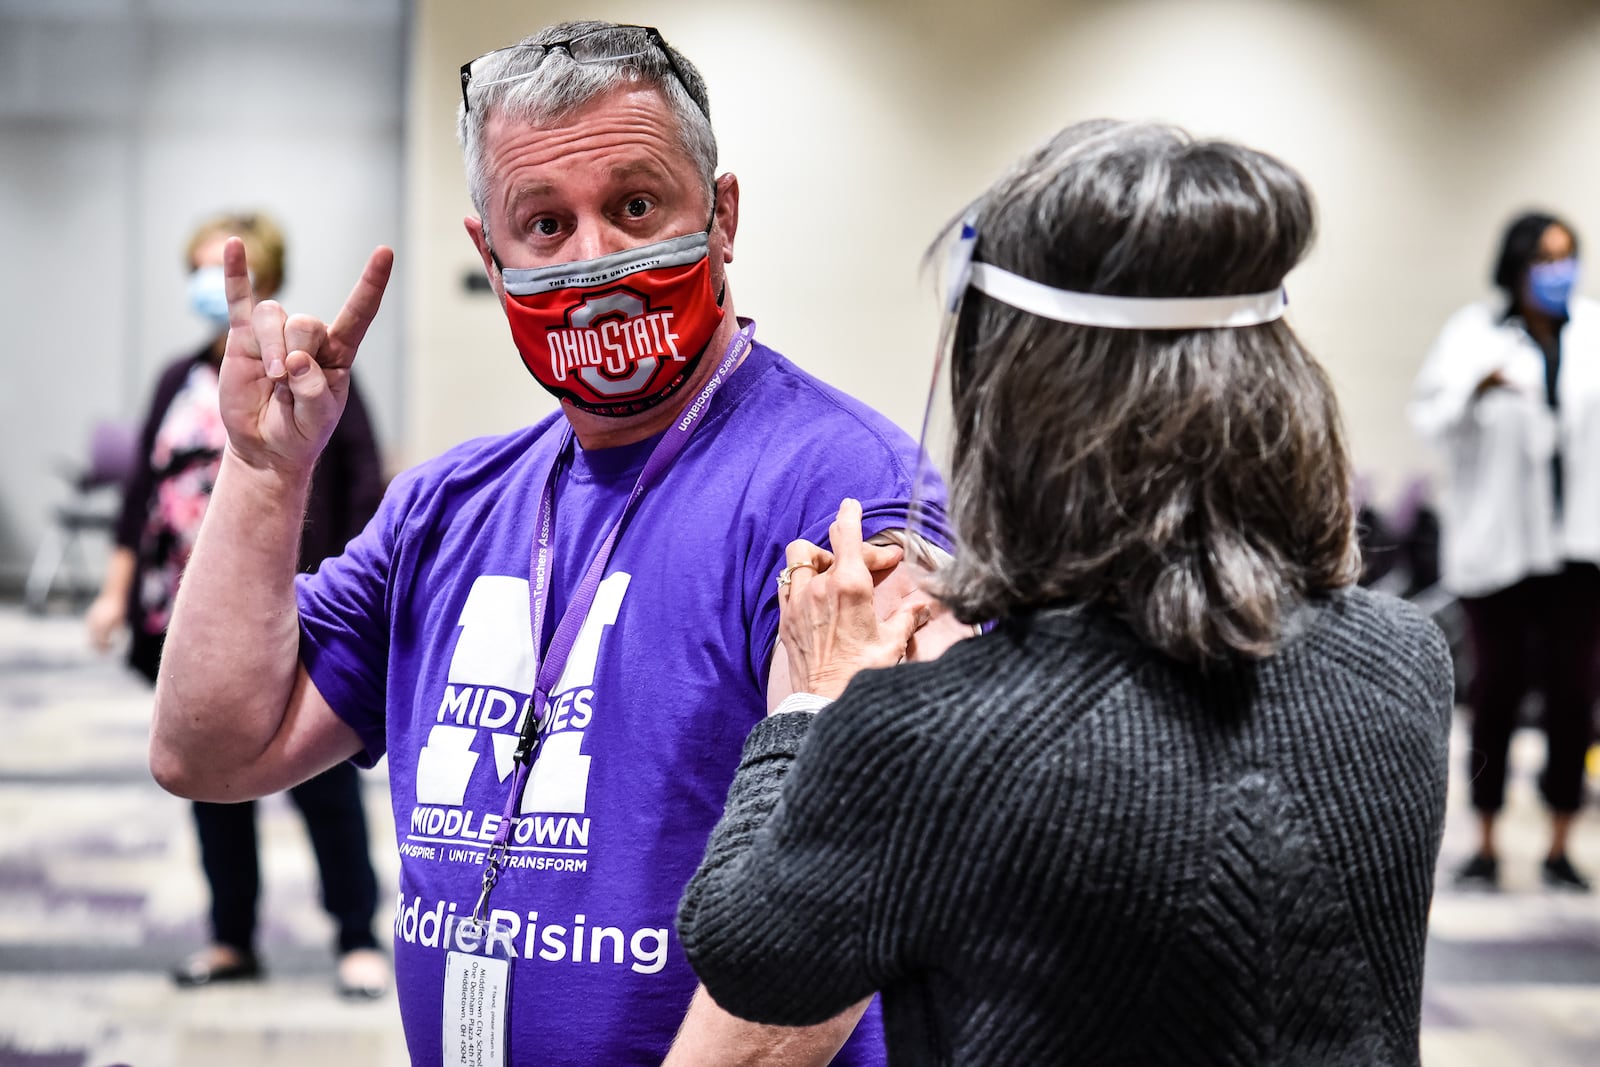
419	637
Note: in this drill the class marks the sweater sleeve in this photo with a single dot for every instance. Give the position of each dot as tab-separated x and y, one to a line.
141	482
779	920
1443	398
365	479
346	488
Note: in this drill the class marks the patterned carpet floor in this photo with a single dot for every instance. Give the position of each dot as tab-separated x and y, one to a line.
101	893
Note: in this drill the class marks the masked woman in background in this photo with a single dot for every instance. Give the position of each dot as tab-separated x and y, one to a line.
1182	803
1510	394
179	452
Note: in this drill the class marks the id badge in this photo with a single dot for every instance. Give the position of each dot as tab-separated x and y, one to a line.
476	1004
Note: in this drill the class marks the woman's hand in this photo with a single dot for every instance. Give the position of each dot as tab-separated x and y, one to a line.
106	616
828	625
109	611
1495	379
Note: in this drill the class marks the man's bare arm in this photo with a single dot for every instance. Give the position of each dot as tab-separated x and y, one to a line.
236	715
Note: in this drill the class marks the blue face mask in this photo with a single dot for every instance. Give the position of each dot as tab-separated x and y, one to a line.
209	298
1550	285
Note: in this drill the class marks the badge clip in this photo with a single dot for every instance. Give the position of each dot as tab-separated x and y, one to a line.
491	875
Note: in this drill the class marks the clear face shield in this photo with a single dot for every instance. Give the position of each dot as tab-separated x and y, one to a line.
928	527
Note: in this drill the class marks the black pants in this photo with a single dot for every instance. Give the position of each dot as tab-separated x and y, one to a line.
1542	633
336	824
331	805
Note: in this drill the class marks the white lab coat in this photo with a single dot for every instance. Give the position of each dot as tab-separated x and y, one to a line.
1497	510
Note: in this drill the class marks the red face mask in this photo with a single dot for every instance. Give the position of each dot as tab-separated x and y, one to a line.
620	334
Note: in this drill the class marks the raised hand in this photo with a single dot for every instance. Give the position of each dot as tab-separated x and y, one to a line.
1495	379
284	377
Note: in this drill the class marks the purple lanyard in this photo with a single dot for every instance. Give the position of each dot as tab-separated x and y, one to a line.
554	660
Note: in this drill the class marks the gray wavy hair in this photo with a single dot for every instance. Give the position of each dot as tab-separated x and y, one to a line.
1193	482
555	85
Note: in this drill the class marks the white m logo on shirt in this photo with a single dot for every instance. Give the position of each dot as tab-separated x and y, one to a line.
495	649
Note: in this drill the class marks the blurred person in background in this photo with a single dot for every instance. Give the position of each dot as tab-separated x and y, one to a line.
180	450
1182	804
1510	395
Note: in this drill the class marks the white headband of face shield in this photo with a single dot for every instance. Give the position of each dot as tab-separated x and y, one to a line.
1111	312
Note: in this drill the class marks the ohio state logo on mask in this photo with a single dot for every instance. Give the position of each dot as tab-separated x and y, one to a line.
620	334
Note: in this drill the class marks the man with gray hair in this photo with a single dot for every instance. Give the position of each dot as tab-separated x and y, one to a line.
560	636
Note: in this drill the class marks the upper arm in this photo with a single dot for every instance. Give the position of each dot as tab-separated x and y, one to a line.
310	739
930	641
909	577
779	683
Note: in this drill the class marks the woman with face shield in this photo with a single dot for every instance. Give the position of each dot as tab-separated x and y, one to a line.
1181	802
1510	397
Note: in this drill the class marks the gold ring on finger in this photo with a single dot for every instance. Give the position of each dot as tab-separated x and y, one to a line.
787	574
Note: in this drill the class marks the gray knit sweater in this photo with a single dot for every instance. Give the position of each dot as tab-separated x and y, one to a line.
1055	845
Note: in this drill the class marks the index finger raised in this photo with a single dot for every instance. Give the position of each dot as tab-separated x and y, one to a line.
845	534
360	308
236	283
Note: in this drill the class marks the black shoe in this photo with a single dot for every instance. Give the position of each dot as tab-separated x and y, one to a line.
1480	872
1559	873
202	969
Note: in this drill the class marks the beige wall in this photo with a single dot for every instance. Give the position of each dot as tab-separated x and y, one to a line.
858	128
123	124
